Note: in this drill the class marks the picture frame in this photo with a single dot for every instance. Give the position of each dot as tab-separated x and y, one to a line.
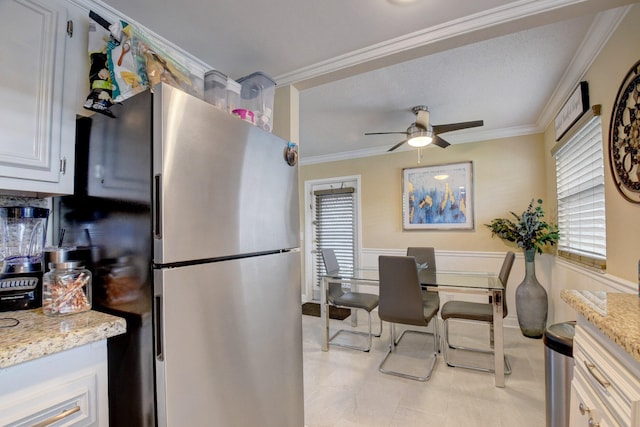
438	197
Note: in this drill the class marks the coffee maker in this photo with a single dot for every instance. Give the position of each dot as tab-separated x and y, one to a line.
22	233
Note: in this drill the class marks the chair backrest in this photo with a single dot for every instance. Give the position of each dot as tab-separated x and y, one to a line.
400	299
331	266
424	255
505	271
330	260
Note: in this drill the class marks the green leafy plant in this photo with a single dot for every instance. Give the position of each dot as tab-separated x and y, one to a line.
528	231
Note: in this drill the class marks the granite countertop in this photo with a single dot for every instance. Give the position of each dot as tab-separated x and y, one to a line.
30	334
617	315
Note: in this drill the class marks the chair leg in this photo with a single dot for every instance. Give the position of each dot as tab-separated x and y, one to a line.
379	334
393	343
368	334
447	346
437	333
491	344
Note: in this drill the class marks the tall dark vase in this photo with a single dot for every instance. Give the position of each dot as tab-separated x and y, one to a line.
531	300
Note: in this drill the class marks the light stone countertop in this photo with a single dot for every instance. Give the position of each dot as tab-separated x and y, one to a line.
37	335
617	315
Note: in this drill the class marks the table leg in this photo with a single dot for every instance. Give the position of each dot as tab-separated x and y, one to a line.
324	313
354	312
498	338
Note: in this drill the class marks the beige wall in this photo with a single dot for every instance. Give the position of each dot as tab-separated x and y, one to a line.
507	173
605	77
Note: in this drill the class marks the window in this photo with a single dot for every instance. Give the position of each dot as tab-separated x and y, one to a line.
334	226
580	191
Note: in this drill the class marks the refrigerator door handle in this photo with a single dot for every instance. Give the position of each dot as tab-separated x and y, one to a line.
157	327
157	219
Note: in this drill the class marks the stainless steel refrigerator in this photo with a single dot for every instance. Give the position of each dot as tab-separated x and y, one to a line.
189	220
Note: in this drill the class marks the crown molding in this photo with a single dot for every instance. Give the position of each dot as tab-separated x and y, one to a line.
345	155
486	135
476	136
599	33
480	21
185	58
601	30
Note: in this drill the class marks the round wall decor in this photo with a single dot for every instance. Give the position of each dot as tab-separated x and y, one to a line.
624	137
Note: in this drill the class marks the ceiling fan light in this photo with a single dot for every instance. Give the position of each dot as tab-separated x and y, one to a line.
418	136
419	141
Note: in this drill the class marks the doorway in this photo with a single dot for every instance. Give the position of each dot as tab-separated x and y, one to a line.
332	220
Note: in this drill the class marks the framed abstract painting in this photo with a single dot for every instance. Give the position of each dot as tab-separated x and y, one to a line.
438	197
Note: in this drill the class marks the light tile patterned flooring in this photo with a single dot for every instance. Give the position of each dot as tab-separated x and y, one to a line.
343	387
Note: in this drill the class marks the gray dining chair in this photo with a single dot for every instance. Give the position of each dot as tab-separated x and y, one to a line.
426	260
403	302
337	297
425	256
476	312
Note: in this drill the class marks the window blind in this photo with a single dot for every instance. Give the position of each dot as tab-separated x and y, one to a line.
580	191
334	224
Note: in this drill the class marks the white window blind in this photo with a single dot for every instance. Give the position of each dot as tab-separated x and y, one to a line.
335	227
580	191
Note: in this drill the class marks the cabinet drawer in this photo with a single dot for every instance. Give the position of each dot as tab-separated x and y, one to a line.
586	408
610	378
70	402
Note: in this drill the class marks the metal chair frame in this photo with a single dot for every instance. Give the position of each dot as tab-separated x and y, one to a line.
407	274
394	343
504	277
368	334
448	345
331	264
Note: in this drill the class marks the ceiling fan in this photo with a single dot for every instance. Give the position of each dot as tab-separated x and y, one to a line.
421	132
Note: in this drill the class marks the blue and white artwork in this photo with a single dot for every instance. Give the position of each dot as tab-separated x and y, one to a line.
438	197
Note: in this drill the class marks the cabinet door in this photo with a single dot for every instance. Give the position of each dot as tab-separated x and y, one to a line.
609	372
119	164
69	386
32	119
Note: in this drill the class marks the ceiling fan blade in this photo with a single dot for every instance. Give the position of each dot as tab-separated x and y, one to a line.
439	142
396	146
456	126
384	133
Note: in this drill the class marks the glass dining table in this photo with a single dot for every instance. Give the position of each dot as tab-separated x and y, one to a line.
466	282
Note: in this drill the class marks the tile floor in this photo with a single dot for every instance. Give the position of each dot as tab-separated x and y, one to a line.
343	387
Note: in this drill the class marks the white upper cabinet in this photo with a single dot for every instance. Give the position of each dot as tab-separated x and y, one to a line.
41	60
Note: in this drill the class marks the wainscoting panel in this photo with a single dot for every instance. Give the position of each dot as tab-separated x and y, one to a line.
552	272
463	261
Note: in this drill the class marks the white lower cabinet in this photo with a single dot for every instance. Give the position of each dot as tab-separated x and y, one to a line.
605	389
64	389
586	408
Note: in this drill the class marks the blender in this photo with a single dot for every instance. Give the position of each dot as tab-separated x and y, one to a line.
22	237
